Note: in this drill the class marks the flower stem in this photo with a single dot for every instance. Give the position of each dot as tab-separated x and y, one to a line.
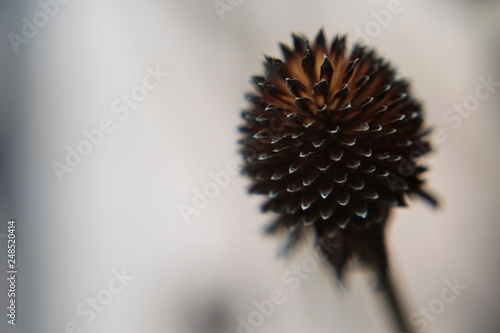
394	303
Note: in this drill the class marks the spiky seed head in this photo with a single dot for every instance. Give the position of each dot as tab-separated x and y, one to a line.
333	139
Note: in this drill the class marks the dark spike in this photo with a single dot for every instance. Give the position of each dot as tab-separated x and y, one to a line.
358	51
320	42
276	111
338	48
352	162
307	152
319	143
321	90
336	153
280	68
360	209
382	93
363	151
348	141
327	212
361	82
288	54
268	88
306	203
255	100
257	79
310	177
342	196
308	65
324	165
341	93
303	104
366	102
295	87
350	70
339	176
299	44
356	183
325	188
326	70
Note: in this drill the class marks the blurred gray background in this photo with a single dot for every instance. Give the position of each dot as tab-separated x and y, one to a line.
119	209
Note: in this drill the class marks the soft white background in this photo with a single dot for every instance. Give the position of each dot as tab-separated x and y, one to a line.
120	207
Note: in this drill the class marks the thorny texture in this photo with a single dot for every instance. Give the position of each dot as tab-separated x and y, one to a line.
333	139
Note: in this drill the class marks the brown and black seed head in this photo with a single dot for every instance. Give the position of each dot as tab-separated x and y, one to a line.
334	139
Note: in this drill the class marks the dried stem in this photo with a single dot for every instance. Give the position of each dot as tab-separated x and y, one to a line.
394	304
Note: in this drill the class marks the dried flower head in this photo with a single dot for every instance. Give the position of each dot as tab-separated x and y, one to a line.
333	139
